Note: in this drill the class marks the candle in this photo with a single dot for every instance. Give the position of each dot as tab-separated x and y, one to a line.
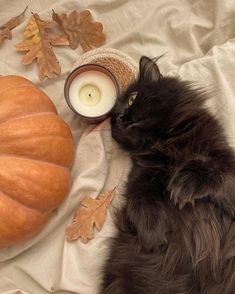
91	91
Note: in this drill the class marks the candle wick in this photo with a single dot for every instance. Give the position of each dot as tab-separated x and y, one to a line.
89	95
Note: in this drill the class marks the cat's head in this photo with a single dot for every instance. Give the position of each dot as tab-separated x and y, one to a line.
153	108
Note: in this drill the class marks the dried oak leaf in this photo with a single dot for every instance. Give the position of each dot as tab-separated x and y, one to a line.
80	29
37	41
92	212
5	34
5	29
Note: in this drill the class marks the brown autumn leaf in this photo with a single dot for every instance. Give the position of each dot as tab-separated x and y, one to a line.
14	21
38	38
92	212
5	29
5	34
80	29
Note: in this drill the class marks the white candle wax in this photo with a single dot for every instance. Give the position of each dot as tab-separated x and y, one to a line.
92	93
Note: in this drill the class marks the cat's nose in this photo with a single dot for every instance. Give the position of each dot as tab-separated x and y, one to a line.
123	121
120	117
119	120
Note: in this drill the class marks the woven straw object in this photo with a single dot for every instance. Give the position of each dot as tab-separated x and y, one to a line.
121	65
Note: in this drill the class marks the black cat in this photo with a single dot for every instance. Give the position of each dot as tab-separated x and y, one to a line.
176	229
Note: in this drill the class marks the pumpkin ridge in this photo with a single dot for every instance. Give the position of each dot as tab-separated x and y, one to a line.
48	157
24	222
28	181
25	206
42	136
33	159
21	86
29	115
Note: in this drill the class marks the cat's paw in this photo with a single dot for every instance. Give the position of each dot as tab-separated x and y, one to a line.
189	183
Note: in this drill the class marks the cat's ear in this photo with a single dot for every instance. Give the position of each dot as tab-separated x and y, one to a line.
149	70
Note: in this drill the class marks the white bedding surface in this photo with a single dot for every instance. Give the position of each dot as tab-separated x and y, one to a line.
198	38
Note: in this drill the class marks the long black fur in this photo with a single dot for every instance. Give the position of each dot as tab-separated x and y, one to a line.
176	231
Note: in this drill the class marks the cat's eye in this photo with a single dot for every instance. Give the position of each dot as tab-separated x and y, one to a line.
131	98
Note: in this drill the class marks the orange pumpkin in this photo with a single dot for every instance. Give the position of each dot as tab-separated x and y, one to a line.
36	152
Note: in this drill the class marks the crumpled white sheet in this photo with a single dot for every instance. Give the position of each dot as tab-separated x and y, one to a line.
198	39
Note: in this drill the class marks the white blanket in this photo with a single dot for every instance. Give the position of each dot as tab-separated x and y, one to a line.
198	38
